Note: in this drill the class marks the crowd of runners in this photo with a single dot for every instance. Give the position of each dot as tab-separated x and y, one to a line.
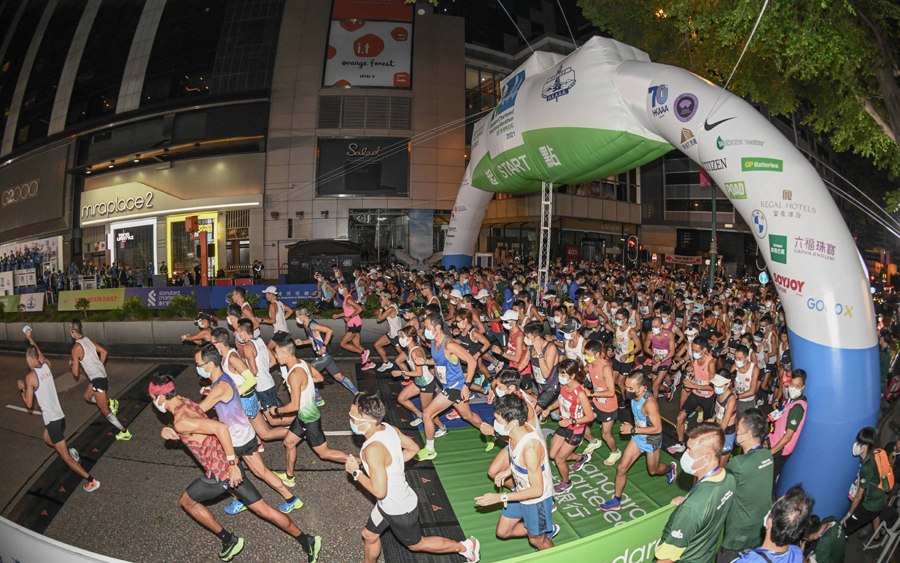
592	354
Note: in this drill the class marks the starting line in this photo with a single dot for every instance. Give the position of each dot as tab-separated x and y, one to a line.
22	409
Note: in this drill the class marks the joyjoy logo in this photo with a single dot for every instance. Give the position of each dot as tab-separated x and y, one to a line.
20	193
686	107
788	284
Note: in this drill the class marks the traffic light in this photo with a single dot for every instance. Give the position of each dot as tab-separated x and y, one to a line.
632	248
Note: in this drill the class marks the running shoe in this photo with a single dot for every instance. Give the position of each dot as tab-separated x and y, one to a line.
92	486
592	446
562	487
426	454
676	448
490	443
699	417
417	421
452	415
235	507
365	357
114	406
473	550
611	504
490	396
124	435
231	549
288	481
672	474
554	532
368	365
260	448
579	465
204	390
406	382
320	402
671	394
75	455
384	367
613	458
314	549
289	507
441	431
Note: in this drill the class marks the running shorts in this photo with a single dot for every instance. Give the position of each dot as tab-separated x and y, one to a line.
537	517
57	430
246	449
646	444
354	329
100	384
602	416
206	488
326	363
406	527
267	398
622	367
571	438
430	388
707	404
455	395
251	405
395	340
312	431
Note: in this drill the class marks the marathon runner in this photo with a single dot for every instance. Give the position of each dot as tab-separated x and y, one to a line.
603	399
702	393
319	337
278	315
627	341
659	346
204	322
390	312
424	383
574	413
350	311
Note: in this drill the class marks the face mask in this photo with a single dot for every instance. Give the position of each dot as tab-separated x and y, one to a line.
500	393
665	320
239	339
730	313
500	429
568	335
160	408
202	373
857	449
404	342
736	330
697	355
429	335
781	319
342	291
356	429
556	320
590	359
631	396
719	390
564	381
690	339
794	393
688	463
766	518
72	332
619	322
640	298
528	342
507	326
739	363
656	330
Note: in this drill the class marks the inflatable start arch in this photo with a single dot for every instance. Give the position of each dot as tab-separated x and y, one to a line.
605	109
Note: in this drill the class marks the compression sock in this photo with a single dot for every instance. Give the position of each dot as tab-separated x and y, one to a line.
115	422
304	540
225	536
348	384
429	444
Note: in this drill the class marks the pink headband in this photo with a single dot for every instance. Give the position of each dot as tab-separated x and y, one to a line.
162	389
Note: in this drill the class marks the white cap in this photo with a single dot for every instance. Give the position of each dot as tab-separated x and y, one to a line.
271	289
455	293
482	294
510	316
719	380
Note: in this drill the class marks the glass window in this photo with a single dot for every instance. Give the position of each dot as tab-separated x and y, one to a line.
471	78
40	92
185	251
134	246
96	89
11	65
184	51
705	205
681	178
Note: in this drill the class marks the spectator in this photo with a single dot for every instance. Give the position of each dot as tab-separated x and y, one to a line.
163	269
257	269
150	274
885	355
868	495
139	278
123	277
824	540
693	529
114	275
785	525
198	275
788	423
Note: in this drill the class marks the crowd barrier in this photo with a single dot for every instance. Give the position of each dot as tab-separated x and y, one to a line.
215	297
21	545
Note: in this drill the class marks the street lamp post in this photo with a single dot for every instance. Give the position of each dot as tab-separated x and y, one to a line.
712	243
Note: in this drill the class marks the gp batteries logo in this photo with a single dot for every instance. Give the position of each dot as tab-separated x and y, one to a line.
758	224
778	248
838	309
658	96
762	164
785	283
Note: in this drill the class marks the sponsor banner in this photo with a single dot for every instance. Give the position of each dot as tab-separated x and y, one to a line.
369	54
21	545
32	302
159	297
101	299
767	164
10	303
676	259
288	294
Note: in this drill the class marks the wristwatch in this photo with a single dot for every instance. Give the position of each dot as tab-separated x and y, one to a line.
356	474
277	412
633	430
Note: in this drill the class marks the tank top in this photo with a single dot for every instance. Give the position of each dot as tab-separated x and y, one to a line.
570	408
91	363
349	312
540	377
327	292
246	385
449	374
511	350
308	411
761	356
232	415
316	342
471	345
250	310
576	352
641	420
426	377
520	473
604	404
264	380
679	315
624	345
720	412
209	452
537	421
743	379
701	376
394	323
733	345
659	343
280	324
46	396
400	498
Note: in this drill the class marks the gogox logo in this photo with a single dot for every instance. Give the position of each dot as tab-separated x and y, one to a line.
778	248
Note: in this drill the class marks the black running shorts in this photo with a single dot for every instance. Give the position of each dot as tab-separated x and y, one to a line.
206	488
312	431
57	430
100	384
406	527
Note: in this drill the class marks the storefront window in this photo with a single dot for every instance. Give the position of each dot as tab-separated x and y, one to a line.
134	245
377	231
184	252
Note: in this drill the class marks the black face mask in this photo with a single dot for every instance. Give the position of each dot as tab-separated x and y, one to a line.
631	396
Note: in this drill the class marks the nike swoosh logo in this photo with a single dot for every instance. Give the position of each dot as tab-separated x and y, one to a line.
708	127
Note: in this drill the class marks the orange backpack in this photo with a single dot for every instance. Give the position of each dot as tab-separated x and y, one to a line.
885	470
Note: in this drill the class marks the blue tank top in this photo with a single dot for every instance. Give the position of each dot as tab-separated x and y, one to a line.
454	373
317	343
641	420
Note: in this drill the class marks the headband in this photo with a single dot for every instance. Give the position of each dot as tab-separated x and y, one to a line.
162	389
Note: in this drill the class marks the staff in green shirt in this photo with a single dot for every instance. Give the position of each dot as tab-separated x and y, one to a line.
827	538
868	497
752	472
693	528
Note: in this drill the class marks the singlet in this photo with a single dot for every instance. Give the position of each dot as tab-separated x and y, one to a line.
308	411
720	412
353	319
576	352
394	323
280	324
761	356
46	395
471	345
733	344
246	385
520	473
449	374
537	420
426	377
91	363
604	404
570	408
210	452
539	377
742	381
679	315
264	380
511	350
641	420
701	376
624	345
400	498
316	342
249	308
659	343
231	414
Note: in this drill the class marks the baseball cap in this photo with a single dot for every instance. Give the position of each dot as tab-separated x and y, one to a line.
455	293
480	295
271	289
510	316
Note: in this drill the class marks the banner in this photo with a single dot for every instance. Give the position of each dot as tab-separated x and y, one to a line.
159	297
288	294
369	54
677	259
32	302
101	299
10	303
21	545
6	283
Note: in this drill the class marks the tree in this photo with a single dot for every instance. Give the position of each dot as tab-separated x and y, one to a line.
83	305
835	59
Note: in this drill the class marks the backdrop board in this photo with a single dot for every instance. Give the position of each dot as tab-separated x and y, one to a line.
33	194
369	166
369	54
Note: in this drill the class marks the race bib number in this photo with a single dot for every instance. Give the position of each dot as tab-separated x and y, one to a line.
660	353
538	376
640	423
853	489
441	373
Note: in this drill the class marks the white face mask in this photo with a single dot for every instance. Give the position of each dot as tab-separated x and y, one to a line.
528	342
794	393
429	335
564	381
739	363
656	330
665	319
404	342
500	429
619	322
342	291
507	326
857	449
688	463
690	339
556	320
766	518
568	335
160	408
697	355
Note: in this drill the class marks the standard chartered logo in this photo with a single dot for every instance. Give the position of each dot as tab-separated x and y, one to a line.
118	205
20	193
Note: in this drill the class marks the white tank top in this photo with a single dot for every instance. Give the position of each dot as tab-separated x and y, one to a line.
520	473
236	377
576	353
537	421
46	396
250	309
264	380
394	323
400	498
280	324
91	363
426	375
742	380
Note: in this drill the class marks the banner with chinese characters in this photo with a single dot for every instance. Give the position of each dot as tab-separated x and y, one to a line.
678	259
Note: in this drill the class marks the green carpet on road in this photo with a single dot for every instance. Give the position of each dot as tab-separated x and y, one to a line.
462	466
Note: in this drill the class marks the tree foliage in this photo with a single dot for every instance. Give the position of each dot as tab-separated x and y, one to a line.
835	59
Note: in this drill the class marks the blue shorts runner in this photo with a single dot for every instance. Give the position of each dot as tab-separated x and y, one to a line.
648	444
537	517
729	443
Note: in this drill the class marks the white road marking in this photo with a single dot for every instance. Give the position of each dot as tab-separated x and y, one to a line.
22	409
332	432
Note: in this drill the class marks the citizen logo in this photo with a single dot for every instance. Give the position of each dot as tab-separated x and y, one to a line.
19	193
